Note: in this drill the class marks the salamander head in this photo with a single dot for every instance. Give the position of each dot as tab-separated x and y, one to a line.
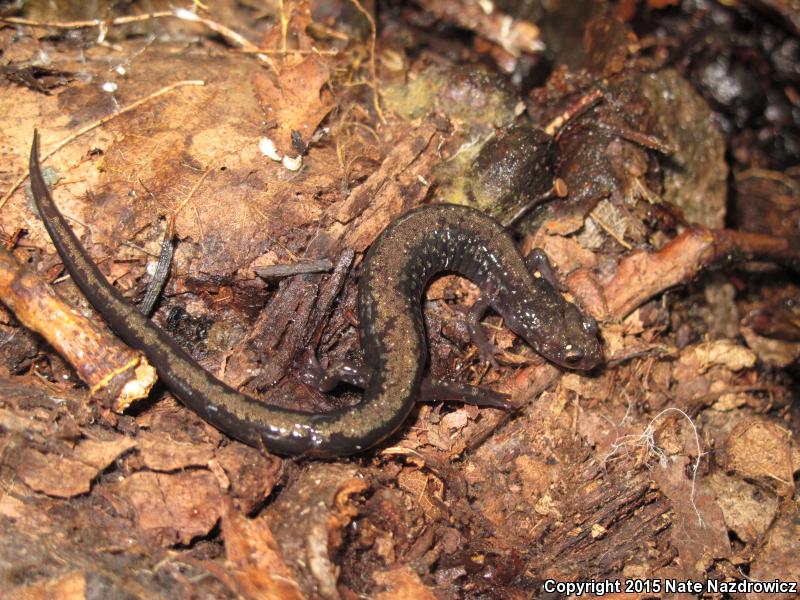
557	330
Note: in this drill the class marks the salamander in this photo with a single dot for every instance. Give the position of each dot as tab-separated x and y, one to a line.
396	269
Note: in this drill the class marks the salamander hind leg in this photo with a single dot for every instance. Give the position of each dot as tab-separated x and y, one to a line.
436	390
432	390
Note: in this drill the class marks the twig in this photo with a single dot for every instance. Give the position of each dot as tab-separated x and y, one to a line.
301	51
89	23
226	32
515	36
94	125
373	70
184	14
302	268
116	375
160	273
685	257
284	25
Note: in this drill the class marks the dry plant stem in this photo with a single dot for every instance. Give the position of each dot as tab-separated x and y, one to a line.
161	272
184	14
115	374
88	23
284	25
191	193
302	268
302	52
226	32
94	125
373	70
642	275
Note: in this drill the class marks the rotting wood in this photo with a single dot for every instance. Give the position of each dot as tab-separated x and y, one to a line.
115	374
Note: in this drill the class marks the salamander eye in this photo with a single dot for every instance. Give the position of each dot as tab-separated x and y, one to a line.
590	325
573	355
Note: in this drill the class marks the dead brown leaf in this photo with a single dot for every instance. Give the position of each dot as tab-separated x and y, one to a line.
101	453
427	489
308	519
251	474
778	558
295	101
776	353
564	252
725	353
176	507
160	453
402	584
256	568
761	451
65	477
661	3
747	510
699	542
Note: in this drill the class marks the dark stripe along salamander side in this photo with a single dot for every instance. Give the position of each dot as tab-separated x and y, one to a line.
397	267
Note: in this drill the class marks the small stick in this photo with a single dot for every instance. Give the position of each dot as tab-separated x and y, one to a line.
116	374
179	13
302	51
226	32
515	36
373	70
89	23
188	197
642	275
301	268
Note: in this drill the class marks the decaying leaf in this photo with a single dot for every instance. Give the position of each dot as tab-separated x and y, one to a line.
173	508
699	531
779	558
159	453
461	501
726	353
748	511
308	521
296	102
761	451
256	569
65	476
402	584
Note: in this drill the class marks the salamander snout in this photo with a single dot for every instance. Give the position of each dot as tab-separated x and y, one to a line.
576	340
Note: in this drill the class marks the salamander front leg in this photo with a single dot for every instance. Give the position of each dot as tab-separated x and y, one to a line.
539	266
486	350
